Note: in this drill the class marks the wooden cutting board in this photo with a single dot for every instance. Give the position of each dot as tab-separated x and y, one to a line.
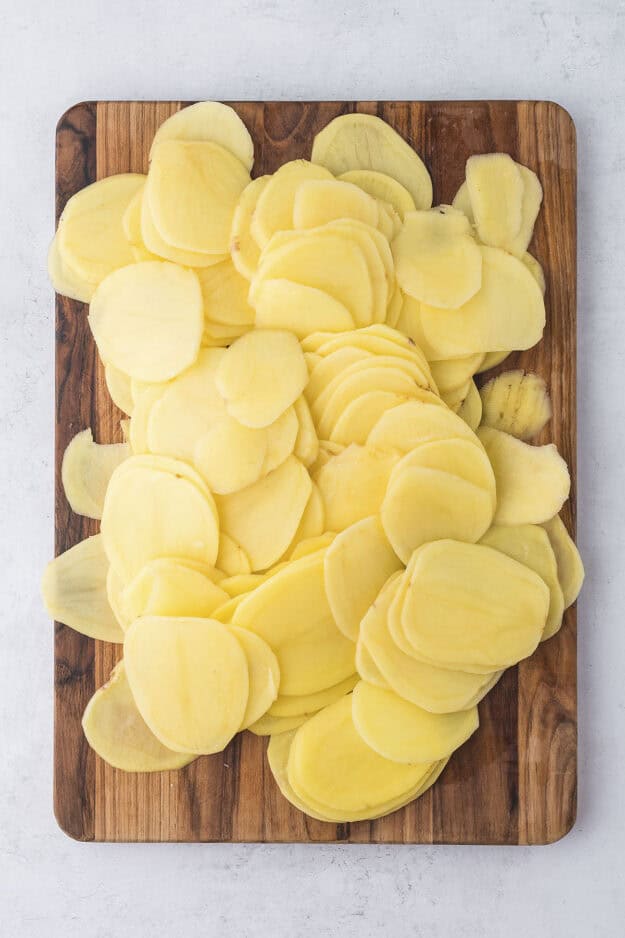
515	781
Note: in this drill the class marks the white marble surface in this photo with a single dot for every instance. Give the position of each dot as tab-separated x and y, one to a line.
53	54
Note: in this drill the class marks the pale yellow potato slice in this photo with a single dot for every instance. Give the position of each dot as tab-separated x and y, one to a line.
114	592
318	201
436	258
147	320
413	423
458	456
192	190
261	375
399	730
131	224
530	207
230	456
357	564
231	558
156	244
224	613
455	372
389	222
470	408
291	612
378	339
118	385
354	385
292	706
353	484
182	470
517	403
224	294
379	260
281	439
383	187
263	674
242	583
90	235
469	607
244	250
274	208
395	303
201	705
491	360
367	668
530	545
360	416
263	517
312	524
310	545
478	325
150	513
570	567
331	367
495	188
144	399
168	587
276	726
117	732
306	445
462	202
362	141
86	470
66	281
533	482
209	121
454	398
222	336
535	270
284	304
74	591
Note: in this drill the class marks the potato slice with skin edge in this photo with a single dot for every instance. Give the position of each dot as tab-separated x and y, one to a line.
471	408
231	558
284	304
517	403
353	484
159	247
319	201
381	186
147	320
201	705
117	732
401	731
436	259
118	385
533	482
495	188
230	456
74	591
361	415
274	209
414	423
269	725
167	587
263	674
306	443
362	141
261	375
66	281
529	544
285	706
569	562
281	440
357	564
244	250
209	121
264	517
86	470
224	295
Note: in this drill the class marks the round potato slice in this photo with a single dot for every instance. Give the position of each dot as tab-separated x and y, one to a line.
274	208
86	470
470	410
231	558
495	188
290	706
411	424
455	372
457	456
361	415
244	250
517	403
367	668
131	223
284	304
352	485
318	201
263	673
330	367
117	732
269	725
401	731
306	442
570	567
168	587
230	456
536	271
67	282
156	244
382	187
224	294
147	320
209	121
119	387
201	705
281	439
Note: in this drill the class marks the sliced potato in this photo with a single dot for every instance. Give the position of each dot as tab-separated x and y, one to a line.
224	295
244	250
367	668
284	304
361	415
144	400
462	202
530	207
281	439
242	583
168	587
74	591
209	121
471	407
318	201
413	423
131	223
306	443
231	557
330	367
382	187
535	270
310	527
495	188
274	209
310	545
118	385
353	484
263	674
156	244
290	706
492	359
570	567
517	403
230	456
269	725
86	470
66	281
453	373
114	593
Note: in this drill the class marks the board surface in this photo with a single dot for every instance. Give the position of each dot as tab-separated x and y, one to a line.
515	781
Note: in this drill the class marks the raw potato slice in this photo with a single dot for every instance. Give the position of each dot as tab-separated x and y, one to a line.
281	438
86	470
201	705
454	398
306	442
533	482
536	271
224	295
150	513
230	456
284	304
530	207
479	325
263	517
353	484
192	191
74	591
311	545
529	544
462	202
570	567
454	372
260	375
114	589
470	607
360	416
362	141
389	222
291	706
66	281
436	259
231	558
274	209
330	367
319	201
394	308
118	385
91	239
367	668
117	732
517	403
144	400
168	587
471	407
407	426
156	245
312	524
244	250
276	726
353	386
147	320
357	564
291	612
263	674
131	224
383	187
495	188
242	583
379	260
491	360
401	731
209	121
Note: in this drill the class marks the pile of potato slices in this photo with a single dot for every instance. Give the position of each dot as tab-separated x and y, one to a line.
317	528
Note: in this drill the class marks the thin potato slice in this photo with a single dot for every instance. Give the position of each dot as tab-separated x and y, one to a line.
263	674
319	201
144	400
312	524
310	545
86	470
357	564
492	359
281	440
156	244
230	456
114	592
66	281
495	188
530	207
168	587
379	260
224	295
117	732
367	668
118	385
332	366
274	208
353	484
535	270
306	443
462	202
269	725
453	373
244	250
570	567
291	706
517	403
242	583
394	308
533	482
353	386
362	141
413	423
209	121
284	304
147	320
383	187
231	558
131	224
361	415
201	705
74	591
401	731
470	410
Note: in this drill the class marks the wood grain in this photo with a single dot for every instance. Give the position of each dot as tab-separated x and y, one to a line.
515	781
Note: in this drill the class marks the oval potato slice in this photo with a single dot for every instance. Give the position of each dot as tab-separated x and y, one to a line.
224	295
156	244
209	121
263	674
281	439
361	415
67	282
230	456
231	558
495	188
244	250
383	187
274	208
570	567
319	201
284	304
119	387
86	470
414	423
353	484
169	587
290	706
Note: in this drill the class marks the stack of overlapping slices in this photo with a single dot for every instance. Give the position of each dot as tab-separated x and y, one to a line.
317	528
